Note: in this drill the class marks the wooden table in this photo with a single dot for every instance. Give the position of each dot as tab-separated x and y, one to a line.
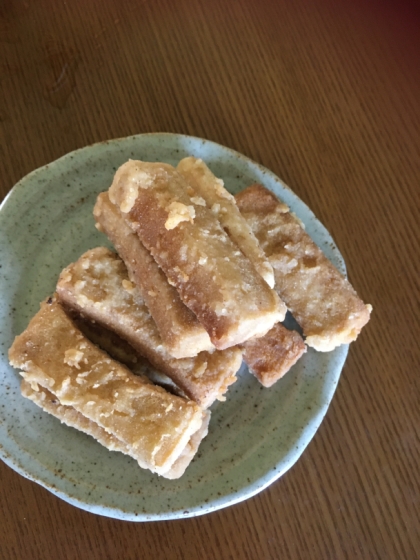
325	94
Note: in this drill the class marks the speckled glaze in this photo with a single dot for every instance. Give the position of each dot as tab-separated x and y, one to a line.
255	436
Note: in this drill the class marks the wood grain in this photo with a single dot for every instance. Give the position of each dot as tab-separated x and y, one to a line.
325	94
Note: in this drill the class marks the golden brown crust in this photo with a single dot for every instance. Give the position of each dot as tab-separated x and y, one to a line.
188	453
97	286
182	333
223	205
212	276
322	301
69	416
271	356
154	425
120	350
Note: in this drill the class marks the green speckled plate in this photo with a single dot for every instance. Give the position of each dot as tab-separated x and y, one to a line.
255	436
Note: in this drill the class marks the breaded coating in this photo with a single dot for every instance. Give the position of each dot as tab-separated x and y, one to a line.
97	286
120	350
69	416
214	279
182	333
271	356
153	425
322	301
211	191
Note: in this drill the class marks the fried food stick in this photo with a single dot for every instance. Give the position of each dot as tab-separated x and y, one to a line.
223	205
97	287
154	426
214	279
270	357
69	416
322	301
182	333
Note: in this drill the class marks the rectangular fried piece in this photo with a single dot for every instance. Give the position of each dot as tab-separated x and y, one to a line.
214	279
271	356
154	425
181	332
97	286
69	416
211	191
322	301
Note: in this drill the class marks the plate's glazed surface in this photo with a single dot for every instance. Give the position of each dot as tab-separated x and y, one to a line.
255	436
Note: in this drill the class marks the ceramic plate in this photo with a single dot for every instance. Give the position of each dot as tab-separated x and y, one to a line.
255	436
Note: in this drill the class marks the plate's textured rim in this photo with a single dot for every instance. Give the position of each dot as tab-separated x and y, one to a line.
302	440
